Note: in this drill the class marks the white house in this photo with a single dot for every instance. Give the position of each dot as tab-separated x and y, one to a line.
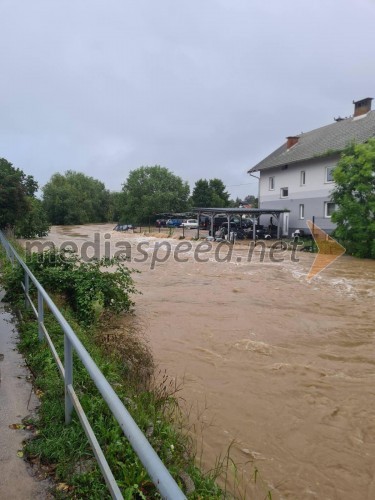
298	175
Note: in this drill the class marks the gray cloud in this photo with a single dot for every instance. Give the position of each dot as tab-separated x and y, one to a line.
205	88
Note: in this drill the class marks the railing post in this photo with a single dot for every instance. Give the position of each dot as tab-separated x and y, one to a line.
40	315
68	380
27	287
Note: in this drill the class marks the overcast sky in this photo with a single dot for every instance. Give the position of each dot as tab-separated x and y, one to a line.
206	88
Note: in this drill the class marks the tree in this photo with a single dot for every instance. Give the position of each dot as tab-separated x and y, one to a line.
250	199
116	202
15	187
34	222
19	208
209	193
151	190
75	198
201	196
219	197
354	197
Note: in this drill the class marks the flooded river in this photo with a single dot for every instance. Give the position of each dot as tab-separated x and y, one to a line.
281	367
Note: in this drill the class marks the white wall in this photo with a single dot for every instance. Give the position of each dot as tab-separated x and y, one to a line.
313	195
315	186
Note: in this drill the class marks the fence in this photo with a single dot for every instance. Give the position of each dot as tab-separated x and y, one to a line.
159	474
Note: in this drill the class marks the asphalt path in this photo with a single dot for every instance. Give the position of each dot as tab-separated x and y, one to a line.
17	400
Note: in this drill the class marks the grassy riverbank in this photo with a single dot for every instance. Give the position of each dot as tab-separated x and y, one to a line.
123	356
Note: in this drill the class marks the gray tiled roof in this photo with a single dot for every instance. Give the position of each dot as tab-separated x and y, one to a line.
333	137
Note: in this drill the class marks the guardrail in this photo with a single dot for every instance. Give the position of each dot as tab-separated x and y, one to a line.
159	474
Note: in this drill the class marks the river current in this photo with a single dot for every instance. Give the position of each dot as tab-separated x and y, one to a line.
278	368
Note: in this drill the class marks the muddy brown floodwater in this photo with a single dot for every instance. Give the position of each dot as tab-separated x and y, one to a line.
282	367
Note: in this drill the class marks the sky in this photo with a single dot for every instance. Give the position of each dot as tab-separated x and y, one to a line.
206	88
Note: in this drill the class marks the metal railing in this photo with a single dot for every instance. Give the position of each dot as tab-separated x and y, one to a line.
159	474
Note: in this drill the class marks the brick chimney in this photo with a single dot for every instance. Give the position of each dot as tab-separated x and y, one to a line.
291	141
362	107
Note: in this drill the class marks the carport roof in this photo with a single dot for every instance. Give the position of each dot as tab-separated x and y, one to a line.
238	211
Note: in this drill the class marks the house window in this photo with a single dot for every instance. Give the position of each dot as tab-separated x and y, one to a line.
329	208
303	178
283	192
329	174
302	211
271	183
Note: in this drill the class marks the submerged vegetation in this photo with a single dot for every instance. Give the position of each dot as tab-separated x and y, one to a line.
91	299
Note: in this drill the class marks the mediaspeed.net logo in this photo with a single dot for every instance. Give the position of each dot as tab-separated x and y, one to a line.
329	250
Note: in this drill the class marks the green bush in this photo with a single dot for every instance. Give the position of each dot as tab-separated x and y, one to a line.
90	288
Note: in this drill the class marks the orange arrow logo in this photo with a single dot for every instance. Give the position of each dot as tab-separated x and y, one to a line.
328	250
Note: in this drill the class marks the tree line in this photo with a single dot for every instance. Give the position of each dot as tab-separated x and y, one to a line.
20	209
75	198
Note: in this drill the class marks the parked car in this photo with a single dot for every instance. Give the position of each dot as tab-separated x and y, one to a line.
204	222
174	222
246	223
123	227
270	232
233	228
161	222
218	221
261	232
190	224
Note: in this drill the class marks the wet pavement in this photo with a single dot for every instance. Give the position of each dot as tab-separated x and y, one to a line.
17	401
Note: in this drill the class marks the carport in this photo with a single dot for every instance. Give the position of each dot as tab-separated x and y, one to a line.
254	214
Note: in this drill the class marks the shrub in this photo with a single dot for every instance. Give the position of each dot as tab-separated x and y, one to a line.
88	287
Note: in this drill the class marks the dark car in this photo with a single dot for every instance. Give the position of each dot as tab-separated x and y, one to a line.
204	222
217	223
246	223
123	227
271	232
233	228
261	232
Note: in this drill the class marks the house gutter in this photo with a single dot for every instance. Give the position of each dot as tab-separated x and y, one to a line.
258	179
